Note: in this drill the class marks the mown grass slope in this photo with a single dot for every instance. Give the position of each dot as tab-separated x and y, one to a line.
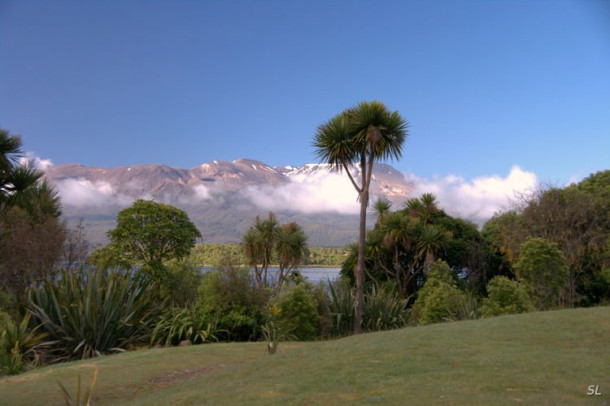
539	358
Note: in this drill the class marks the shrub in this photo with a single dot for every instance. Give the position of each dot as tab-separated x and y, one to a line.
93	312
298	312
230	297
179	286
383	310
439	299
341	305
542	268
20	345
178	324
505	296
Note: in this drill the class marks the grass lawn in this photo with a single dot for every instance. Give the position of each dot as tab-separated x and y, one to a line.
547	358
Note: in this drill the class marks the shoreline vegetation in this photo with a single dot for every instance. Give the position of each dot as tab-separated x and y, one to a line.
211	255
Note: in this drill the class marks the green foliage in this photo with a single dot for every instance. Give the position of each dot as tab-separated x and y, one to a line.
20	345
180	283
93	312
267	240
384	309
297	312
230	297
177	324
86	396
542	268
505	296
151	233
439	299
341	306
217	254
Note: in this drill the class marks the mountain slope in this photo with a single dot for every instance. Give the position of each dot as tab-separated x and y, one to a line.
223	198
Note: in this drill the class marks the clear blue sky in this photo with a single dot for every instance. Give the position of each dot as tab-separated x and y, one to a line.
485	85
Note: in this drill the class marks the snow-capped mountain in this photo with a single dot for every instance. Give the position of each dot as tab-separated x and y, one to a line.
223	198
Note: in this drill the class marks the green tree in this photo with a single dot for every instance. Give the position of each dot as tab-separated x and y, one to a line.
152	233
439	299
267	240
542	268
259	244
505	296
291	248
31	232
361	136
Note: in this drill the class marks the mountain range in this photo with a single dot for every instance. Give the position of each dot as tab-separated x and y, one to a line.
223	198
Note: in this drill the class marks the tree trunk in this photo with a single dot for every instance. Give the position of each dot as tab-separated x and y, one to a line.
360	266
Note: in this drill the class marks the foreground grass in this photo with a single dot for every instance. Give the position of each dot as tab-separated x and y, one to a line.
539	358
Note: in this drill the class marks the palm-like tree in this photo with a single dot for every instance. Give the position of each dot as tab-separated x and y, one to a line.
361	136
259	243
17	181
291	248
381	208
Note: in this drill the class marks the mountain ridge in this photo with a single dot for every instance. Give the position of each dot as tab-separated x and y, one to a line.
223	197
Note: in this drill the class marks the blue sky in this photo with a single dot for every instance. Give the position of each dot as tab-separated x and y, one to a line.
485	85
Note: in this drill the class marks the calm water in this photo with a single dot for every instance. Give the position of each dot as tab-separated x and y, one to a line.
313	275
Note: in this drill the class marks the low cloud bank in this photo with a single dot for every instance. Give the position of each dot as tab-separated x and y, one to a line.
478	199
320	192
84	193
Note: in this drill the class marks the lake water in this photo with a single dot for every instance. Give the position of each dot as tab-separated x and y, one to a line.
313	275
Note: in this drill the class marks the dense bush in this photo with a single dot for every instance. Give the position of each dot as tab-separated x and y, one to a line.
384	309
180	283
439	299
177	324
94	312
297	312
230	297
505	296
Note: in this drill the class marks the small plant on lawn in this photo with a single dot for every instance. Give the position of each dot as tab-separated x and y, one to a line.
77	401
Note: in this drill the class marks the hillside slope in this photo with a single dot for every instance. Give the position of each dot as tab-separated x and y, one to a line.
547	358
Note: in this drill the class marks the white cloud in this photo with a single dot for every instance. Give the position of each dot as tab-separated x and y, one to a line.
36	161
313	193
84	193
477	199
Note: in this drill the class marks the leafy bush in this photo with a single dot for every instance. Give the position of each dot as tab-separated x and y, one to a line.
20	345
230	297
542	268
505	296
341	305
383	310
93	312
178	324
179	286
297	312
439	299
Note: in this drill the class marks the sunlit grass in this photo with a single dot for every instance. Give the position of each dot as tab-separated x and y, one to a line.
537	358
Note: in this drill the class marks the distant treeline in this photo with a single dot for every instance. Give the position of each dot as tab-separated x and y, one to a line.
216	254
